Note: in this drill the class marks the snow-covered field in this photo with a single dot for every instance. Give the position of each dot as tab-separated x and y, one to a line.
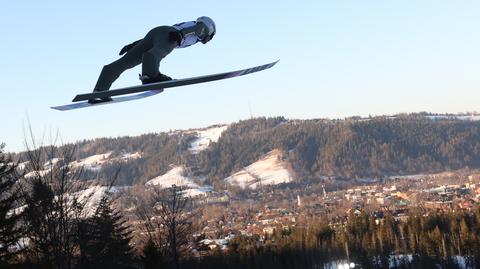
205	137
269	170
176	177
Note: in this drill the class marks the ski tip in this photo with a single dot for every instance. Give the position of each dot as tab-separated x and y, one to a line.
57	108
273	63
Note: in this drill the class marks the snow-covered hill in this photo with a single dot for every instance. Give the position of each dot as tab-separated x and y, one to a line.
205	137
269	170
176	177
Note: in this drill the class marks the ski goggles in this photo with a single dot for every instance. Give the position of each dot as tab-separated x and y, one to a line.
207	38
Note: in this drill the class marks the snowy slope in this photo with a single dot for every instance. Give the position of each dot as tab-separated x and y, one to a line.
95	162
205	137
176	177
269	170
51	163
37	173
92	196
47	167
22	166
130	156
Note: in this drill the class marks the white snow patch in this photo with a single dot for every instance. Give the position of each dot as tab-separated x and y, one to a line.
47	167
130	156
92	196
172	177
339	264
461	261
22	166
205	137
176	177
465	117
51	163
201	190
93	162
269	170
409	177
41	173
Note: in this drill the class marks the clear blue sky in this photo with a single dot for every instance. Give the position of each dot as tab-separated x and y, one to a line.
338	59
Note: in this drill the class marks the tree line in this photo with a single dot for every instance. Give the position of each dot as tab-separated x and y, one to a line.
424	241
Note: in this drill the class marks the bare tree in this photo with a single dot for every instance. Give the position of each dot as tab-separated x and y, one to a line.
54	204
167	218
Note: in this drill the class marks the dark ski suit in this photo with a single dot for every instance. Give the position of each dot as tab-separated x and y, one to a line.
149	51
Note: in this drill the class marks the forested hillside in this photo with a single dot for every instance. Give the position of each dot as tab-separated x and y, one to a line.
349	148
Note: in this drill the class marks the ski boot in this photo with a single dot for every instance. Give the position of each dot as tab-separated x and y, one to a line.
147	79
99	100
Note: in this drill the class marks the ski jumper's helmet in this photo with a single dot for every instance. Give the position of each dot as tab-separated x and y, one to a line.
211	28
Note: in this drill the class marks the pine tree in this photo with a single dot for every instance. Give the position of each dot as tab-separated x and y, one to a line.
152	257
42	230
464	237
9	230
108	239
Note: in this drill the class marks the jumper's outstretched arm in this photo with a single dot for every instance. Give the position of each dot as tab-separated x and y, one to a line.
126	48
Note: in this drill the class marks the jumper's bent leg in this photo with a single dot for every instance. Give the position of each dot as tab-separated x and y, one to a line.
112	71
162	46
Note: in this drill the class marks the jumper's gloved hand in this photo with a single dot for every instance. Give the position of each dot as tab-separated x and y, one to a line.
128	47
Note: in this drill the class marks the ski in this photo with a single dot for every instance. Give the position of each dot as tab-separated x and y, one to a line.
171	83
120	99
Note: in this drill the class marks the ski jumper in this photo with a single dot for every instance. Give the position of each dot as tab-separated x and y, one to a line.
149	51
